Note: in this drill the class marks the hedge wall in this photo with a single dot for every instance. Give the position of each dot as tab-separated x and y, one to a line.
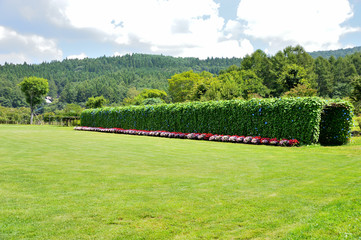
336	123
298	118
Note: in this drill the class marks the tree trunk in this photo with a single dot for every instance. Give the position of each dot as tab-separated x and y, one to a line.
31	116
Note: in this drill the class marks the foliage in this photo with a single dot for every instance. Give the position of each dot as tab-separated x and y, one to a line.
10	94
75	80
325	78
301	90
120	79
261	65
270	118
182	84
14	115
95	102
152	101
356	94
69	111
344	72
336	53
358	120
252	84
292	76
35	90
232	83
336	123
50	116
156	96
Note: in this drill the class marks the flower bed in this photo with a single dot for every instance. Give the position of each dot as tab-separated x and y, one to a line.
197	136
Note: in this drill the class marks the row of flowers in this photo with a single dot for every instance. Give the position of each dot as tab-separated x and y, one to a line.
197	136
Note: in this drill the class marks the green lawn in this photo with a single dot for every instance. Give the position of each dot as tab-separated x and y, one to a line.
57	183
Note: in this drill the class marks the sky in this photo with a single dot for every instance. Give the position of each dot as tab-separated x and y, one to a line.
36	31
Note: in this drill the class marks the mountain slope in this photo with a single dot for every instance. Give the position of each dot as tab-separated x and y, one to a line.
336	53
75	80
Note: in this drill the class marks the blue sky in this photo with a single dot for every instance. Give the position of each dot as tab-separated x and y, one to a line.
35	31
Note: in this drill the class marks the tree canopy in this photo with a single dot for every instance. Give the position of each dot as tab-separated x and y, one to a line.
121	79
95	102
35	90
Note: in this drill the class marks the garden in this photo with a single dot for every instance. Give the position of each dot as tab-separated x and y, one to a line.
292	120
57	183
147	178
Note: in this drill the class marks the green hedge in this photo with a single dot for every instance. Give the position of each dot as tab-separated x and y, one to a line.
289	118
336	123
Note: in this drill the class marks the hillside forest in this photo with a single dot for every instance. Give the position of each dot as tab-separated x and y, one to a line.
150	79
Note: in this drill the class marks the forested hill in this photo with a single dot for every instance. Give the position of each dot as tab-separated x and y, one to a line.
74	80
336	53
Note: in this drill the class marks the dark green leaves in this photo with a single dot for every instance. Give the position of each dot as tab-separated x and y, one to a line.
289	118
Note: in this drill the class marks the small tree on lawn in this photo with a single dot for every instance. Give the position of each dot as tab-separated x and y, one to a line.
35	90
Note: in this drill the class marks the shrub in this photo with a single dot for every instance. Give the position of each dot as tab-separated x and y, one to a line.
290	118
14	115
336	123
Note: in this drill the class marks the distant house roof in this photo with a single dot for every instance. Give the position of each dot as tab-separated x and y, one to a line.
48	99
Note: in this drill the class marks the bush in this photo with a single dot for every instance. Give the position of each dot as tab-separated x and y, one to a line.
14	115
336	123
290	118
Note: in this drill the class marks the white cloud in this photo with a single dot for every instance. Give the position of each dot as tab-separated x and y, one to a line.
18	48
176	27
314	24
40	11
229	48
79	56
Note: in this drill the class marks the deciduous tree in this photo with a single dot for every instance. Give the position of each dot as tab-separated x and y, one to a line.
181	85
324	77
35	90
95	102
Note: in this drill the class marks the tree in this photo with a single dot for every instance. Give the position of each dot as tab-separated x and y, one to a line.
261	65
96	102
181	85
344	71
356	93
72	110
152	101
68	95
356	60
230	83
298	55
202	86
139	99
237	83
301	91
290	57
293	75
324	77
35	90
252	84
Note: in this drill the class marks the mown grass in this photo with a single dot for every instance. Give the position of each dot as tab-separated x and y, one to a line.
56	183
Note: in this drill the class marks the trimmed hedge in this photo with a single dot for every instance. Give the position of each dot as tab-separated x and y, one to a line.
289	118
336	123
